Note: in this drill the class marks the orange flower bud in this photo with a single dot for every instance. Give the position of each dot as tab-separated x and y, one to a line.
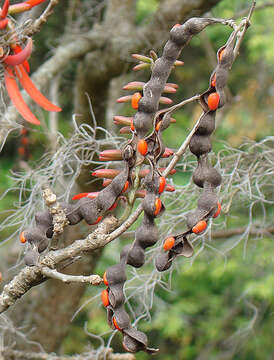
122	120
169	243
213	101
158	206
106	173
115	324
134	85
105	278
104	298
162	184
135	100
199	227
217	213
22	238
169	188
109	155
167	153
142	147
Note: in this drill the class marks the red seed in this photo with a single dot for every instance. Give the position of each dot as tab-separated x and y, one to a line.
98	220
104	298
213	101
22	238
132	125
158	206
213	81
169	243
142	147
221	54
114	206
125	186
162	184
199	227
105	278
115	324
158	125
135	100
217	213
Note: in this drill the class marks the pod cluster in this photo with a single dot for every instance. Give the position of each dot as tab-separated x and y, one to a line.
115	276
91	210
204	176
150	146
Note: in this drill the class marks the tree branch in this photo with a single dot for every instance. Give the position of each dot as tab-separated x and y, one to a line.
54	274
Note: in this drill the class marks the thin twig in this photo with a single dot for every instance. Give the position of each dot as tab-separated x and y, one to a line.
54	274
36	26
182	149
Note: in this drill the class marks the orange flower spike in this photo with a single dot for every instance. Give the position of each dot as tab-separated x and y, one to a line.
22	238
19	58
162	184
104	298
158	206
5	9
125	186
169	243
199	227
217	213
213	101
33	92
135	100
115	324
17	99
105	278
142	147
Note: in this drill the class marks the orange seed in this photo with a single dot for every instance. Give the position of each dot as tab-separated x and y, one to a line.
169	243
199	227
104	298
142	147
105	278
213	101
22	238
217	213
162	184
158	206
135	100
115	324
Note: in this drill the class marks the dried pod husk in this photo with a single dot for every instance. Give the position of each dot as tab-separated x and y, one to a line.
200	144
206	124
31	257
135	340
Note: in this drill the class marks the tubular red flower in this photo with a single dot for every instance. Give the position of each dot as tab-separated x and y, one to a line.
32	90
17	99
19	58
